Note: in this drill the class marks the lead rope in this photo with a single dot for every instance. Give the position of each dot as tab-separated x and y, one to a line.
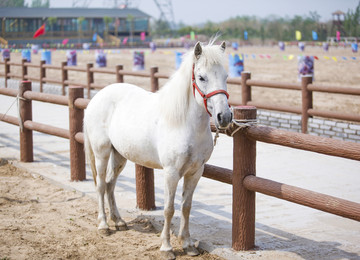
240	124
18	111
216	136
21	124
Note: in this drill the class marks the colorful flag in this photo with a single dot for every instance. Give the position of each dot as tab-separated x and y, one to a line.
338	36
314	36
39	31
94	37
192	35
65	41
245	35
298	35
125	40
142	36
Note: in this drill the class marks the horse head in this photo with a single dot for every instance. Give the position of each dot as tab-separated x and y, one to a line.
209	82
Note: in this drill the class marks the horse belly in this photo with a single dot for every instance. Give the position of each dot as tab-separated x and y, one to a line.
133	134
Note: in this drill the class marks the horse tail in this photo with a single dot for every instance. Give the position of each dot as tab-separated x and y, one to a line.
90	154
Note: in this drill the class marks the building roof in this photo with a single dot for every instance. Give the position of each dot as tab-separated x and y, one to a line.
338	12
10	12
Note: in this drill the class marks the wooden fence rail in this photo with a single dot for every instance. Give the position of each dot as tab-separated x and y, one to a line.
306	87
242	177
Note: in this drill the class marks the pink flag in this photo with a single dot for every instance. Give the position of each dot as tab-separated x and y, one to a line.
338	36
125	40
65	41
142	36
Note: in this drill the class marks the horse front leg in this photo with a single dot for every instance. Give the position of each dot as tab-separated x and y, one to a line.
171	182
190	182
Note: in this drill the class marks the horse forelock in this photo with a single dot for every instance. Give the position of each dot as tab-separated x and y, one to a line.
175	95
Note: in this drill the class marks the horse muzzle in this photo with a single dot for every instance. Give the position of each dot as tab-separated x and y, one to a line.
223	119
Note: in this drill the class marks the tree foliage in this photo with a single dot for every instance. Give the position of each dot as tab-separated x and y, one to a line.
12	3
273	28
352	21
40	3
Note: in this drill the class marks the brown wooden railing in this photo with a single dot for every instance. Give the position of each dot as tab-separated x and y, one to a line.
242	177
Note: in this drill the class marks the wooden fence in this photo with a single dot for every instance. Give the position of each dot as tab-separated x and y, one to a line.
246	83
242	177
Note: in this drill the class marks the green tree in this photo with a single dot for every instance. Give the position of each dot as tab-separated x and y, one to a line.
40	3
130	20
352	21
107	21
52	21
79	26
13	3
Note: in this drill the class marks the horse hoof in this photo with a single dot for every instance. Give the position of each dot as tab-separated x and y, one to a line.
104	232
122	227
167	255
191	251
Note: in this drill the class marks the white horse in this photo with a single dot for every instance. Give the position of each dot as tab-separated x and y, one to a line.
166	130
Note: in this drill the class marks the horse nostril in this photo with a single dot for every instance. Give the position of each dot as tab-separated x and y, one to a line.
219	117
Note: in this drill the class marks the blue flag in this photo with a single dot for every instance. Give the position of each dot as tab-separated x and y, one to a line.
314	36
94	37
245	35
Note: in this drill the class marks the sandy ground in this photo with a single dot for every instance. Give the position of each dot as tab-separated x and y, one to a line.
42	221
271	67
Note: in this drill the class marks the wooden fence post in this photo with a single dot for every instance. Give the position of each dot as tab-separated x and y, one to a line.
23	69
154	80
145	191
245	88
77	154
64	77
244	163
6	70
307	102
119	77
26	135
42	74
90	78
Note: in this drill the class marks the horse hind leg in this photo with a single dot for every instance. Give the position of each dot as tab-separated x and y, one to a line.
115	166
101	162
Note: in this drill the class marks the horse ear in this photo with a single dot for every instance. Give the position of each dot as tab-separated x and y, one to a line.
197	50
223	46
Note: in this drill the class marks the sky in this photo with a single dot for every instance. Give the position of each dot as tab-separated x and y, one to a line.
192	12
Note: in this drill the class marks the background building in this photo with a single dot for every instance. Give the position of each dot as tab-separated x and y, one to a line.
79	25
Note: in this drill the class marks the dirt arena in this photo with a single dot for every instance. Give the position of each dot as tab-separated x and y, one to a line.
269	64
42	221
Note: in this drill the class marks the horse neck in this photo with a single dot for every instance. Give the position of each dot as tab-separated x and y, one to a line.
176	100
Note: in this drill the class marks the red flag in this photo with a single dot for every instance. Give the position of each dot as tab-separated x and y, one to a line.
39	31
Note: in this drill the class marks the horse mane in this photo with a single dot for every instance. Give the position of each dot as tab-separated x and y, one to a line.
174	96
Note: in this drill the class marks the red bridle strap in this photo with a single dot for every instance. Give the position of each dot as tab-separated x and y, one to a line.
206	96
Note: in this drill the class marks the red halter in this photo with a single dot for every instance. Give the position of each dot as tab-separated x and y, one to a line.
206	96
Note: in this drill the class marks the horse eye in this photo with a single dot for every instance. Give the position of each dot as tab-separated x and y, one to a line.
201	78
